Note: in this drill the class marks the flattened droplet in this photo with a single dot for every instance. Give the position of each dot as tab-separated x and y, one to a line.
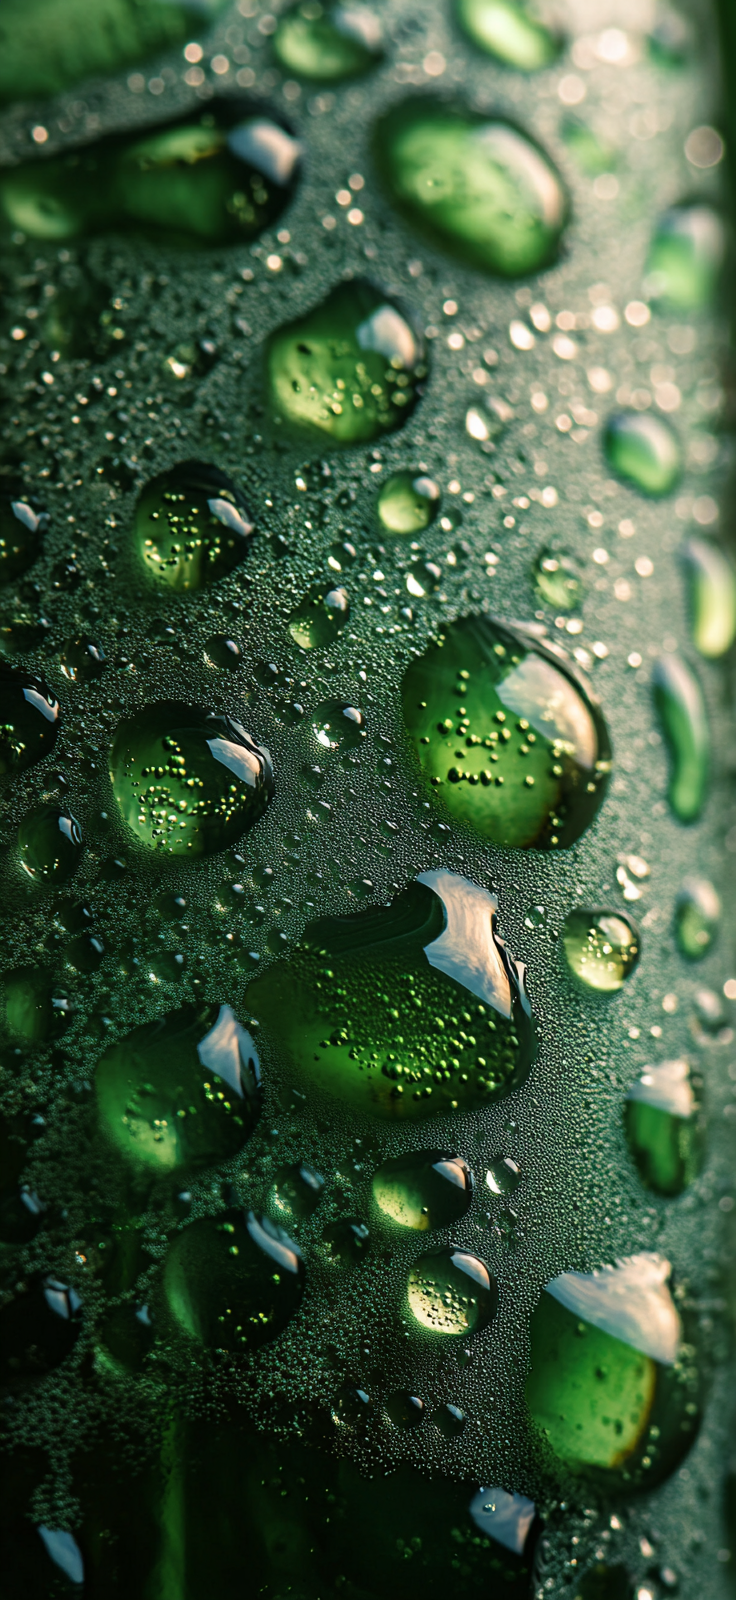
712	578
679	700
512	31
234	1281
602	947
328	42
643	450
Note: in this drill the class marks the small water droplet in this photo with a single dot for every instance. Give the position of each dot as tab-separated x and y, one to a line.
233	1281
679	700
408	503
712	578
602	947
50	843
320	617
451	1292
697	915
23	525
503	1175
663	1127
686	257
558	579
29	720
643	450
423	1191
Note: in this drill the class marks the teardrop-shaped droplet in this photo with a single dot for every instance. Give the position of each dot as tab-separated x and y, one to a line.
507	734
478	185
451	1293
663	1127
406	1011
644	451
320	617
29	720
187	781
351	368
684	717
22	528
423	1191
558	579
233	1281
325	41
408	502
191	526
602	947
51	844
686	257
613	1386
512	31
697	915
216	177
712	576
179	1092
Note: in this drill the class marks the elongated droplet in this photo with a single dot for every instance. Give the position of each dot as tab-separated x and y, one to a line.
234	1281
686	257
352	367
328	42
423	1191
697	915
684	717
644	451
663	1127
451	1293
191	526
602	947
508	736
479	186
510	30
712	578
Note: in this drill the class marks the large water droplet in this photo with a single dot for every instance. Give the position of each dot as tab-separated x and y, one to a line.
602	947
29	720
510	738
697	915
712	578
187	781
22	528
686	257
644	451
50	843
423	1191
191	526
510	30
320	617
328	42
407	503
352	367
663	1128
451	1292
558	579
233	1281
410	1010
679	700
480	186
180	1092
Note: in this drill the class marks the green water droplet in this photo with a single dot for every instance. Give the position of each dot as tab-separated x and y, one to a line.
328	43
503	1175
679	700
602	947
180	1092
23	526
406	1011
644	451
191	527
36	1009
512	31
82	661
223	653
451	1293
295	1192
407	503
664	1128
234	1281
697	915
558	580
450	1420
592	153
208	179
336	725
712	578
346	1243
187	781
29	720
351	368
319	618
405	1411
509	737
50	843
686	257
423	1191
478	185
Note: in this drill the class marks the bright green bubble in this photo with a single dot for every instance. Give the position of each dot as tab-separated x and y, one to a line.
558	580
679	700
602	947
712	577
328	43
423	1191
234	1281
50	843
407	503
451	1293
510	740
510	30
643	450
664	1128
697	916
191	526
686	257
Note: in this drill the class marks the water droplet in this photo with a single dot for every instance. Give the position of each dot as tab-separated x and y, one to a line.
679	700
644	450
318	619
82	661
450	1420
593	154
22	528
38	1328
234	1281
191	526
479	186
346	1243
558	580
351	368
180	1092
423	1191
451	1292
381	1008
508	735
51	844
211	178
697	915
510	30
408	503
223	653
612	1384
503	1175
187	781
328	42
686	257
29	720
602	947
36	1009
127	1335
404	1410
663	1128
295	1192
336	725
712	577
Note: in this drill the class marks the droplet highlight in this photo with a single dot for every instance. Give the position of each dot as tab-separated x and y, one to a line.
423	1191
